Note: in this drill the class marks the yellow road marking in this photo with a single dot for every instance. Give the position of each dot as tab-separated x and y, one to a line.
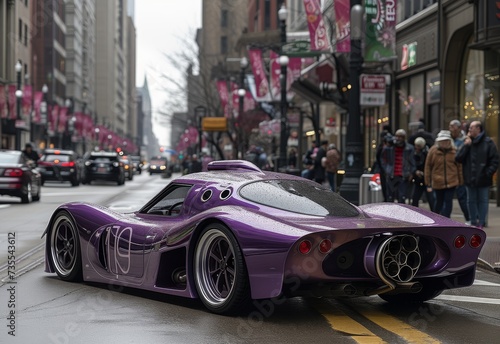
340	322
343	323
398	327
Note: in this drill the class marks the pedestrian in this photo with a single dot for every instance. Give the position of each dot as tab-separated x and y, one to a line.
319	168
398	162
479	158
458	136
385	139
195	164
308	163
30	154
419	186
332	161
421	132
442	173
292	158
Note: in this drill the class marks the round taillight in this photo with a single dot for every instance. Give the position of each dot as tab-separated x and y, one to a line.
460	241
325	246
475	241
305	247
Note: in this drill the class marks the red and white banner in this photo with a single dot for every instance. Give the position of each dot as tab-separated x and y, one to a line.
317	29
262	91
54	114
224	97
293	73
3	102
275	69
27	100
12	102
63	118
342	25
37	101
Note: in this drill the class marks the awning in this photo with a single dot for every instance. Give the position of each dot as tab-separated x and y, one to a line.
319	83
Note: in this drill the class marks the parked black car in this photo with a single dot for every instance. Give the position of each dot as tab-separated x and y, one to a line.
103	166
128	167
137	163
19	177
61	166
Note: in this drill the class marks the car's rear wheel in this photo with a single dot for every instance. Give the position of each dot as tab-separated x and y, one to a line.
220	273
38	194
26	196
425	294
65	252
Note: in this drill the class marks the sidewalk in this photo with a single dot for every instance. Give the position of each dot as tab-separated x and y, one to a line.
490	254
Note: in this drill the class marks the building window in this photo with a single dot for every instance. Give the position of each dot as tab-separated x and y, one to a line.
223	18
223	45
20	30
25	35
267	15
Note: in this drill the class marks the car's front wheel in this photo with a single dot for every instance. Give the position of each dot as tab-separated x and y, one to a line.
65	248
220	273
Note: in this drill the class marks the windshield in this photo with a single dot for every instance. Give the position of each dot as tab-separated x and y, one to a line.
54	157
298	196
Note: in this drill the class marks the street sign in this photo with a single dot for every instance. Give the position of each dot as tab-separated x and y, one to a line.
299	49
372	89
214	124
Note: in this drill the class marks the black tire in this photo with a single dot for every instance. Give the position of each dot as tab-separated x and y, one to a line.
412	298
65	254
38	195
75	182
26	196
220	274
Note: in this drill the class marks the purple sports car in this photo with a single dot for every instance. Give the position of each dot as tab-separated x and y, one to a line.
235	234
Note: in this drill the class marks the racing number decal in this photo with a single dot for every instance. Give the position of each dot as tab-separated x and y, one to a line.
118	243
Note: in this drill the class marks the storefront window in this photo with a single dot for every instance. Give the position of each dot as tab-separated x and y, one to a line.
481	92
481	89
411	101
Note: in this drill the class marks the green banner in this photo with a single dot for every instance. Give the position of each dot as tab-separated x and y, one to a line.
380	41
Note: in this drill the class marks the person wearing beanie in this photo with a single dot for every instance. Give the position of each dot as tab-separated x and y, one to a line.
442	173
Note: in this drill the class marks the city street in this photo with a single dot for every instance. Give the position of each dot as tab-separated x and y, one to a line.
38	307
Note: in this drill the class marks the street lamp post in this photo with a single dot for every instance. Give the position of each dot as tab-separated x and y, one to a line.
241	99
283	60
69	125
354	146
200	112
19	95
96	131
43	112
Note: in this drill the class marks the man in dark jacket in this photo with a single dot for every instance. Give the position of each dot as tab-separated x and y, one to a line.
479	158
398	162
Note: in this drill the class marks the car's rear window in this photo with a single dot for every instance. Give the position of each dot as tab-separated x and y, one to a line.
303	197
103	159
9	159
158	162
53	157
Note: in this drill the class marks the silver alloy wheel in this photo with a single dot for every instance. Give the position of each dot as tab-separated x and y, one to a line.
64	245
215	267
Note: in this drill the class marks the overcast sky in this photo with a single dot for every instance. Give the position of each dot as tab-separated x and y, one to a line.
161	27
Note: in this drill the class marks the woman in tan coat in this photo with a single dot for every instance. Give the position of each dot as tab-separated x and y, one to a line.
442	174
